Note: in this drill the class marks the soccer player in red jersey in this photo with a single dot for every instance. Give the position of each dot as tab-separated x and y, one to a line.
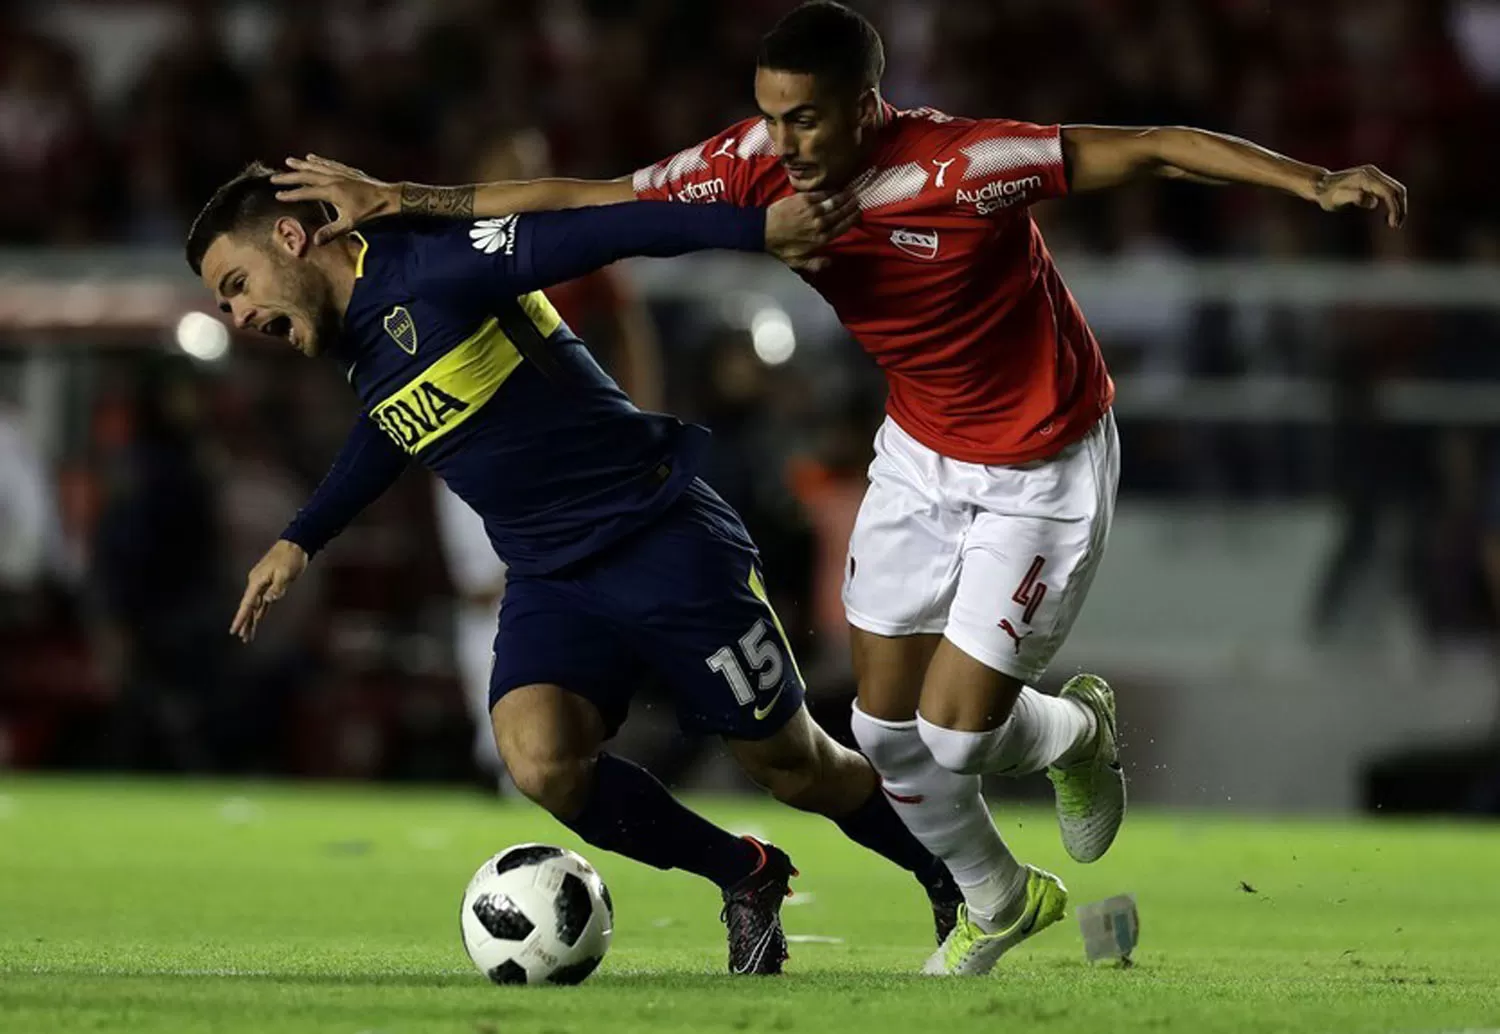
993	485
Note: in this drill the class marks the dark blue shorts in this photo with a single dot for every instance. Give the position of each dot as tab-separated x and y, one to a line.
681	600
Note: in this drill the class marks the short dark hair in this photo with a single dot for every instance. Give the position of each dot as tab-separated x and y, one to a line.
247	199
828	41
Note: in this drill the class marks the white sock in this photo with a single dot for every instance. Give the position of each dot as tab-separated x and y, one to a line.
947	813
1041	731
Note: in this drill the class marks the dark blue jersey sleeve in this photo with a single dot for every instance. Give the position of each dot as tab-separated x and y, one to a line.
518	254
367	465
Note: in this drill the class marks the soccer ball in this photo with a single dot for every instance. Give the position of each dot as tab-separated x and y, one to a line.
536	914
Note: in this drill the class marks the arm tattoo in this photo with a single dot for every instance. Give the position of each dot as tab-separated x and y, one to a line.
447	202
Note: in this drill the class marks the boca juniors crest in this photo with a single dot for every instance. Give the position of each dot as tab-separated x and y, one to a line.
400	326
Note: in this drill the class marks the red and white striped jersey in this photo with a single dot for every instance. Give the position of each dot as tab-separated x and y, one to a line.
945	280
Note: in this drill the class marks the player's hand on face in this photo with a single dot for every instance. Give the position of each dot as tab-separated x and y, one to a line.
267	582
800	225
356	196
1363	187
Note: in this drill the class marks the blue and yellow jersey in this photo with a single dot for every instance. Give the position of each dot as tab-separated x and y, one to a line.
462	364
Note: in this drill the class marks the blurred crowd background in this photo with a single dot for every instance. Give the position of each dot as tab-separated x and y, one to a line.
118	118
138	483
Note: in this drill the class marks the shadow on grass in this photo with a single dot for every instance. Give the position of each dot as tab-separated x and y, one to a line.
612	982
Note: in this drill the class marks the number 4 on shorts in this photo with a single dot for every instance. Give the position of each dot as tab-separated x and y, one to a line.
1030	592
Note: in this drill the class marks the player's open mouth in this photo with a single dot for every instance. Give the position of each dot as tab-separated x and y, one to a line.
278	326
800	170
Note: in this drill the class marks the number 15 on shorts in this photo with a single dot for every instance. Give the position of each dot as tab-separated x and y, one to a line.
760	654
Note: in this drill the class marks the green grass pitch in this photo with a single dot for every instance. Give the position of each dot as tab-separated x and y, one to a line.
145	907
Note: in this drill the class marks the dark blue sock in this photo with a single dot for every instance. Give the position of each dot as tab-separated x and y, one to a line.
875	825
630	813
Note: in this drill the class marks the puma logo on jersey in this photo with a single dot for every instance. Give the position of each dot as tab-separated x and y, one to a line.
726	149
916	243
706	190
998	194
942	168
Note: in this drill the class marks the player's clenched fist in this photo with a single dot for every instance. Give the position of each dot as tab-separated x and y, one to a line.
799	225
280	567
1364	187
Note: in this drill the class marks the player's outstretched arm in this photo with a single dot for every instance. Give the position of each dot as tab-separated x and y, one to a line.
540	249
366	466
1106	156
357	197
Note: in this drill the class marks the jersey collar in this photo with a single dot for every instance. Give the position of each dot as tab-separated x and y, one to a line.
885	130
359	260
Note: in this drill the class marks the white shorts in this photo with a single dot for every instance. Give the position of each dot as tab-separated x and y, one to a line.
997	559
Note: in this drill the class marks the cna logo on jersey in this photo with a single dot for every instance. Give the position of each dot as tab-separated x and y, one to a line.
492	235
998	194
922	244
706	190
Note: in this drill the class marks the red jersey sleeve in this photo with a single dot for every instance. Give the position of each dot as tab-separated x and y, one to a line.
999	164
730	166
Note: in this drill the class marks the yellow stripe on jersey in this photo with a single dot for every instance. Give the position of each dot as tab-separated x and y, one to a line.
359	260
539	308
451	390
758	587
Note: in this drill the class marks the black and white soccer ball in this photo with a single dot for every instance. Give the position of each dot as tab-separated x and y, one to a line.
536	914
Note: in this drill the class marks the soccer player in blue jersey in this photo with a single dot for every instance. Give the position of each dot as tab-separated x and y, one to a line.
621	561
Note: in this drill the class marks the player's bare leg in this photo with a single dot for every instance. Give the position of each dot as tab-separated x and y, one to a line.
802	766
977	720
944	809
550	741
